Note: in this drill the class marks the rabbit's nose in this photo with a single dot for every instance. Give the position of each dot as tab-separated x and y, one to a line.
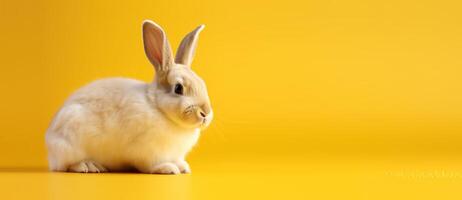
201	114
205	110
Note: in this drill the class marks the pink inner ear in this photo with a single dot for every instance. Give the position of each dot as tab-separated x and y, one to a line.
154	45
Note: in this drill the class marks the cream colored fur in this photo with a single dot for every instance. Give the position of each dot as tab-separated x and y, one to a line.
118	123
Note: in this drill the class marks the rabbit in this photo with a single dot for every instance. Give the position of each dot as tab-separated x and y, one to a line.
117	124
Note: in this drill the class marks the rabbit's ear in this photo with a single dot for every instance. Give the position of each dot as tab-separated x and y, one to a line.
156	46
187	48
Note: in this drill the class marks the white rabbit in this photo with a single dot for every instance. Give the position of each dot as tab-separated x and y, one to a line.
116	124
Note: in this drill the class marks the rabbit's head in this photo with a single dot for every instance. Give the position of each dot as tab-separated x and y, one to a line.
177	91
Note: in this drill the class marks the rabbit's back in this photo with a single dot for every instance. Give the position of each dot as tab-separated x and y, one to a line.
110	92
110	105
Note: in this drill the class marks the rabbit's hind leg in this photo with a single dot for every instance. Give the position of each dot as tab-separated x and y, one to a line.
63	157
61	154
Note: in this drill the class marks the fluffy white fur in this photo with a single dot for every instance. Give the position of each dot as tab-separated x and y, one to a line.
118	123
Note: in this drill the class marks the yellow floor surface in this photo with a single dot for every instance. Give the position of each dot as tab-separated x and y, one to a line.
317	179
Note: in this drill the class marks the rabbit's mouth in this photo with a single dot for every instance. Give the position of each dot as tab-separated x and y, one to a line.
204	123
194	115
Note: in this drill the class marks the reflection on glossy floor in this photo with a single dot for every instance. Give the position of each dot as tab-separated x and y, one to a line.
319	179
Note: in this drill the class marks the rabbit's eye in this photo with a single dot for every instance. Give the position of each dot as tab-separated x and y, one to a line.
178	89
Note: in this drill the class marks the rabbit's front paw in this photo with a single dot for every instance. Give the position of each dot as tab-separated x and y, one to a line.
165	168
183	166
87	167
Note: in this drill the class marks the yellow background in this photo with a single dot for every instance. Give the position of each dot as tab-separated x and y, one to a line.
358	84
